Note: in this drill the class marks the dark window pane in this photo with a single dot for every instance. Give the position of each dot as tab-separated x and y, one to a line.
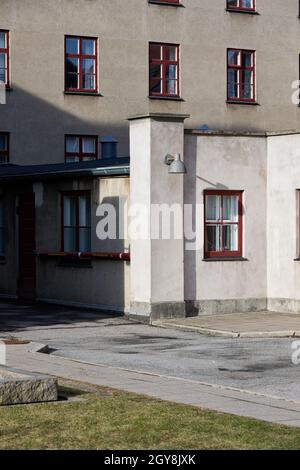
85	240
155	52
155	86
230	237
3	44
72	144
171	87
213	238
171	52
2	244
247	59
155	71
247	85
3	142
72	46
171	71
233	57
233	85
88	145
232	3
88	47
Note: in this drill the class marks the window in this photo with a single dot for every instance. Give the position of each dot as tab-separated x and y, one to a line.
4	57
76	222
4	147
80	148
2	234
240	75
241	5
109	146
164	70
81	64
223	224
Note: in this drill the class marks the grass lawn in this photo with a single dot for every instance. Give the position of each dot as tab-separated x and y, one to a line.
106	419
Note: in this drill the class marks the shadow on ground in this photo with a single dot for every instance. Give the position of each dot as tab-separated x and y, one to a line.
15	316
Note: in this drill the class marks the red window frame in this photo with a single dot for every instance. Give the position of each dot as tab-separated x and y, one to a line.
164	62
173	2
239	6
240	69
80	56
4	154
224	253
77	226
6	52
81	154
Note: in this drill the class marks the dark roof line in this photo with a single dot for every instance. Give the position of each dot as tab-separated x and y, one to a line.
114	166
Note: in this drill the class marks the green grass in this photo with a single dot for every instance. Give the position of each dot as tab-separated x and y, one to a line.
120	420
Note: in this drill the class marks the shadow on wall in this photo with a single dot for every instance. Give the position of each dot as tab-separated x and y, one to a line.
37	136
190	257
37	127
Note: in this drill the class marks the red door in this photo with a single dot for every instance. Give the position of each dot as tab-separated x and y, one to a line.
27	261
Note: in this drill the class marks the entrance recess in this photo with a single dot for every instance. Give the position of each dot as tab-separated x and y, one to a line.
27	260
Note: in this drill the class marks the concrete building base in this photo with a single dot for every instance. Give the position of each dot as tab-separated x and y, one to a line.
17	387
148	312
216	307
284	305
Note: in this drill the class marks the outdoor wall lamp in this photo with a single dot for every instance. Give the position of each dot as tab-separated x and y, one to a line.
176	165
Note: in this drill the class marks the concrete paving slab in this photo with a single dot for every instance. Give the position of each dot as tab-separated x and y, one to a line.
239	325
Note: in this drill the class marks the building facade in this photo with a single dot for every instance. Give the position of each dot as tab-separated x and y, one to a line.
88	83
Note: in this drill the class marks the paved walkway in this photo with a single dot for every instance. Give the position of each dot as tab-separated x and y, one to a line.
252	377
188	392
240	325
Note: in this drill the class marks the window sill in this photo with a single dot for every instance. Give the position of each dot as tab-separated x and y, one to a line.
166	98
209	260
244	12
84	256
247	103
165	4
82	93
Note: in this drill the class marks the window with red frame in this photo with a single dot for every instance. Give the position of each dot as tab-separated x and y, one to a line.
80	148
76	222
164	70
241	5
223	224
240	75
81	64
4	147
4	57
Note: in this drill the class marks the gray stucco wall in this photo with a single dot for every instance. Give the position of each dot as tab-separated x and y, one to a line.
38	113
98	283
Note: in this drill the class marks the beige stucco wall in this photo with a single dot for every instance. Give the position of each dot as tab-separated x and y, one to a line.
233	163
38	114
